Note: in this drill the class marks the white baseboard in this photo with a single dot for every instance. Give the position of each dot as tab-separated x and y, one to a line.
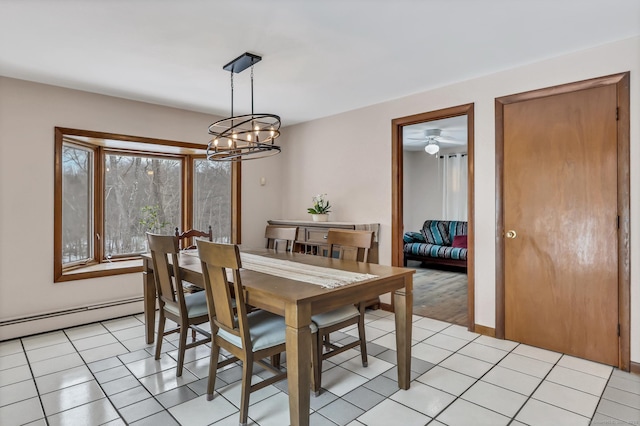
56	321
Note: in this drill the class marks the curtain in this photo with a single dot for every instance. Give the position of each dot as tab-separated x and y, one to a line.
454	186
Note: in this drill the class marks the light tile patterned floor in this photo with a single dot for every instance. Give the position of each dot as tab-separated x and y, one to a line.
104	374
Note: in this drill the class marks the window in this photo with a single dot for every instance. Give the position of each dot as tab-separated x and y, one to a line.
112	189
140	194
212	197
77	193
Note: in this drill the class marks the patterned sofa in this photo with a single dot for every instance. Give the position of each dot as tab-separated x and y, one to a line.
442	242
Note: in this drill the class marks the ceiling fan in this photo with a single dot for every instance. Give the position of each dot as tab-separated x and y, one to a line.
433	139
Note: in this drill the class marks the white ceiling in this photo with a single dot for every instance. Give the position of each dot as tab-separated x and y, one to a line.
320	57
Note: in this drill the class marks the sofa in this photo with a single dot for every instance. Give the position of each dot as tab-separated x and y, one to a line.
440	242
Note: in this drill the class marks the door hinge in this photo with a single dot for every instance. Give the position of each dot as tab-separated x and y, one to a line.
618	222
618	329
617	113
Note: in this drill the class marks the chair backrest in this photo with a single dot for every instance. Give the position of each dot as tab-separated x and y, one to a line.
352	245
277	236
192	233
216	259
166	274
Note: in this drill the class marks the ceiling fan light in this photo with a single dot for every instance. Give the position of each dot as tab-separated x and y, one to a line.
432	148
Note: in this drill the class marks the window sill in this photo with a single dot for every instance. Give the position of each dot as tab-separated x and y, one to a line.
101	270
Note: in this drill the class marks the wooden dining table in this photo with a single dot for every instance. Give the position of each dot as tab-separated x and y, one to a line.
297	301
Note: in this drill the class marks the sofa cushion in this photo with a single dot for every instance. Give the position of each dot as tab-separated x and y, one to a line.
435	251
456	227
459	241
413	237
436	232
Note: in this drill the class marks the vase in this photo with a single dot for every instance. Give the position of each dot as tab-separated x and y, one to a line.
320	217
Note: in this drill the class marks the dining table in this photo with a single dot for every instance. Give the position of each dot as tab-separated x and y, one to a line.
297	301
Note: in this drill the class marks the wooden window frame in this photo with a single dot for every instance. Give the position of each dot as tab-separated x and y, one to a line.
108	143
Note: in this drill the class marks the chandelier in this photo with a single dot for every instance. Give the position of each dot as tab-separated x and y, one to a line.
243	137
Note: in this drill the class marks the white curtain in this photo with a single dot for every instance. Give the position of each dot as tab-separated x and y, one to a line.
454	186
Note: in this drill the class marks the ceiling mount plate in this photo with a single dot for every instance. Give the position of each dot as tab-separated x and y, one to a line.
242	62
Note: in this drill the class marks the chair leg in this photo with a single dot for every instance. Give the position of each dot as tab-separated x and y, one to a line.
213	369
317	385
316	365
363	338
160	336
193	335
275	360
247	372
184	331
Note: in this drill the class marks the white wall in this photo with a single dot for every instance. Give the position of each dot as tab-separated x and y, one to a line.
28	114
422	189
348	156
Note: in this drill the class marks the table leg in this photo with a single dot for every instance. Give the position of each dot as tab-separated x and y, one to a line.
149	292
403	302
298	318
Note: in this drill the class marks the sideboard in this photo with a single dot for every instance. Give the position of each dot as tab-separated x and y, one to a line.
312	236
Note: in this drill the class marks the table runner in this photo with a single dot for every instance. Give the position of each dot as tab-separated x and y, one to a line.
318	275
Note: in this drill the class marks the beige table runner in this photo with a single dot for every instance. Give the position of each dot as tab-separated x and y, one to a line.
318	275
325	277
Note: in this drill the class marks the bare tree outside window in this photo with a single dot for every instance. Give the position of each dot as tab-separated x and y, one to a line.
212	198
141	194
77	184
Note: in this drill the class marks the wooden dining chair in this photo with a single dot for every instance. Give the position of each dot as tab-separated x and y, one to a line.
249	337
186	310
349	245
186	236
277	236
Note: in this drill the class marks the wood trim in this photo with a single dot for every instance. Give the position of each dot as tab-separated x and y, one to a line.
236	202
97	274
90	139
397	202
624	212
397	197
621	81
634	367
57	206
485	331
187	193
499	241
98	204
471	214
84	135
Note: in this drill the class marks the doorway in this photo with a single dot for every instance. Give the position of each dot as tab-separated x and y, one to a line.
398	204
562	159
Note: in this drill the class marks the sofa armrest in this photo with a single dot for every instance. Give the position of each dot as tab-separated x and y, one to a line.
413	237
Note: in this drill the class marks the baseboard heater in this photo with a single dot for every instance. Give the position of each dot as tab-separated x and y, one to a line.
71	311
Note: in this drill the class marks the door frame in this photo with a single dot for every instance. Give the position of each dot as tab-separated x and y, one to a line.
621	81
397	211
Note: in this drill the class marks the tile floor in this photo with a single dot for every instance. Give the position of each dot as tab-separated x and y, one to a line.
104	374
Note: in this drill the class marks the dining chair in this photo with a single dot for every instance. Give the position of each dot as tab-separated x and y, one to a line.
248	337
192	233
186	310
277	236
349	245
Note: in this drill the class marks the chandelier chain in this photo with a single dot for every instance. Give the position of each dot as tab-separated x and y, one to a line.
251	88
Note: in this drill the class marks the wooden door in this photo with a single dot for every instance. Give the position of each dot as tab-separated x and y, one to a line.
560	201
